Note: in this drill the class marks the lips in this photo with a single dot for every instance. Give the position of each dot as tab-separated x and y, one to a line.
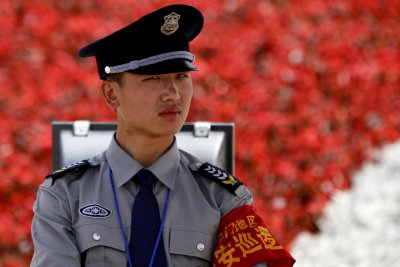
172	111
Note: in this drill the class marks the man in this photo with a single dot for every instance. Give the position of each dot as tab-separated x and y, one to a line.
143	202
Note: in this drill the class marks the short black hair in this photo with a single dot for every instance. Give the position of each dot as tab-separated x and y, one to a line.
116	77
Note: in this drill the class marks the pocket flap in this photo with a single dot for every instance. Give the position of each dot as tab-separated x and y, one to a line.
191	243
92	235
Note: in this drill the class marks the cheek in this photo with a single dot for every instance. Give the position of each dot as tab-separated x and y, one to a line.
133	105
187	94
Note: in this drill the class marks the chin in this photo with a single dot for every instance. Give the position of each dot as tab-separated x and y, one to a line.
171	128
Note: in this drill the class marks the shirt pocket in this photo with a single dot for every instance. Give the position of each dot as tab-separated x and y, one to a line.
102	245
191	248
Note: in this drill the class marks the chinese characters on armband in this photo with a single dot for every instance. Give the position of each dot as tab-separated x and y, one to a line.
244	240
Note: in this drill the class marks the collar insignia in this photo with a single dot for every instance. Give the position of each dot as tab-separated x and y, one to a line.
171	24
95	211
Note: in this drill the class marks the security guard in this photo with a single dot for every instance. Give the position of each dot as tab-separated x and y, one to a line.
144	202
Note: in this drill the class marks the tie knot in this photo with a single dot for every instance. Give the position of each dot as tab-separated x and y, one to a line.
145	177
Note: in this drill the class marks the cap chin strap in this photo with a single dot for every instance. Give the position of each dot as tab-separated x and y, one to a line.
135	64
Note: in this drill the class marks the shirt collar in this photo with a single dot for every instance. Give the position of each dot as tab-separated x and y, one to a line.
124	166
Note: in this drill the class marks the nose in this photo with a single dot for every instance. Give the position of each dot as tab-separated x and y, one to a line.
171	92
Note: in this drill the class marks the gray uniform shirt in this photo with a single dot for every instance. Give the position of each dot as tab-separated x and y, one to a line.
64	236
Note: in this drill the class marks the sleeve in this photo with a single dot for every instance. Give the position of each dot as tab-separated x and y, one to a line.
245	240
52	234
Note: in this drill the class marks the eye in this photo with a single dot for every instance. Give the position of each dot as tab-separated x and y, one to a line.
151	78
183	75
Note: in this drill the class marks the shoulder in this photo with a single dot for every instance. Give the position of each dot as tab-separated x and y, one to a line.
223	188
229	192
74	170
217	175
211	172
74	167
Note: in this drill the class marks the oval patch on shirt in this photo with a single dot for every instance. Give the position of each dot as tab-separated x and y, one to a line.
95	211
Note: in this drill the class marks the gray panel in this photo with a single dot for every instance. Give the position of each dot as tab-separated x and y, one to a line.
75	148
210	142
210	149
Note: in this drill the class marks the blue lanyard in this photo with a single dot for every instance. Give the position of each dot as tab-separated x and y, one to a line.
110	174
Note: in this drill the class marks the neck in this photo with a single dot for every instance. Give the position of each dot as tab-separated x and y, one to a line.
145	150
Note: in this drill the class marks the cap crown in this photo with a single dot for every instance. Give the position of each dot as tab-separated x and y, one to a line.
165	30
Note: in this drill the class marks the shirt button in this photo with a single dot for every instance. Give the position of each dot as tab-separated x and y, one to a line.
200	247
96	236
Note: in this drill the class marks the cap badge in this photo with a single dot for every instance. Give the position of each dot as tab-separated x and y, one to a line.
171	23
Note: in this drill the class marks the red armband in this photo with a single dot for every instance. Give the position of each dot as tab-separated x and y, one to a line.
244	240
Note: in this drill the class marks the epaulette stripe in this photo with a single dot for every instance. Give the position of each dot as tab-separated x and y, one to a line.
230	182
72	167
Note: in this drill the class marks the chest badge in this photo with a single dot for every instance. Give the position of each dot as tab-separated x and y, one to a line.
95	211
171	23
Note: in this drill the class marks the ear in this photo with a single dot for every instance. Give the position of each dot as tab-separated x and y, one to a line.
108	90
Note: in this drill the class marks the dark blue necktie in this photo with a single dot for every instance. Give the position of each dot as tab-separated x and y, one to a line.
145	224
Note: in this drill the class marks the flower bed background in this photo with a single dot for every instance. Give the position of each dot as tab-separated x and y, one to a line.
312	86
356	219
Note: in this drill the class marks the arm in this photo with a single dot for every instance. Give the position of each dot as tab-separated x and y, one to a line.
243	237
244	240
52	231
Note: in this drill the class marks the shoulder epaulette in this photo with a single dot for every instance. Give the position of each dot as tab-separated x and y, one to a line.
218	175
78	166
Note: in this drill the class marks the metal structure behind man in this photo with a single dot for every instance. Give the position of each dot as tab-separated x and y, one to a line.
74	141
